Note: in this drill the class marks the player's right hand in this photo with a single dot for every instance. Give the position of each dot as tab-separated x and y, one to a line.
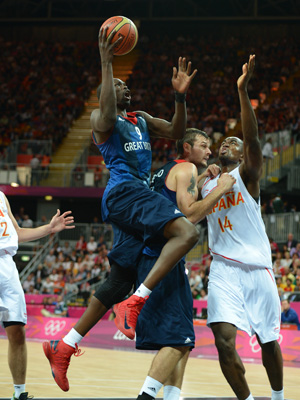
226	181
106	47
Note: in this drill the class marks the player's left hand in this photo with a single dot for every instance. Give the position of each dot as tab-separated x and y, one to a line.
61	222
247	70
212	171
182	77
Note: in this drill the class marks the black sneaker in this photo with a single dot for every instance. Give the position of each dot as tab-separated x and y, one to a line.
23	396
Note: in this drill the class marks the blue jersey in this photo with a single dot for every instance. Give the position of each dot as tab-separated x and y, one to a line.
158	184
126	153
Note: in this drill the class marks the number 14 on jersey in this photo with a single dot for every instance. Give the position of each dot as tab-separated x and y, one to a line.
225	225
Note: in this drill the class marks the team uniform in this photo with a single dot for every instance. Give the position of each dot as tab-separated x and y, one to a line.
12	299
167	317
241	289
137	214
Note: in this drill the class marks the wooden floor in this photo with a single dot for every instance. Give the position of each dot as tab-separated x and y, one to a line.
120	374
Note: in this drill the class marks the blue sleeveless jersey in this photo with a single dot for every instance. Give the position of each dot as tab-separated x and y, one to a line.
158	184
126	153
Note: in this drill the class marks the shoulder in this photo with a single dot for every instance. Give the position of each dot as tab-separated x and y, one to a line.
185	170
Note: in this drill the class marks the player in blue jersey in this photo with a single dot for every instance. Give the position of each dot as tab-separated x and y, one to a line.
137	214
166	321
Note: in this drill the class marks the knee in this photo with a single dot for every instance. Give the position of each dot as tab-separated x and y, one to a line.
191	234
226	348
270	347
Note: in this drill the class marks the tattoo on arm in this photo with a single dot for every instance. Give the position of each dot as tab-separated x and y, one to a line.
191	189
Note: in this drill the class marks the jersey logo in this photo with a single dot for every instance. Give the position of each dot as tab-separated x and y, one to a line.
152	388
125	322
188	340
177	211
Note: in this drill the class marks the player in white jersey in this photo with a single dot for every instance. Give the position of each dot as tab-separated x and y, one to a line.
242	292
12	301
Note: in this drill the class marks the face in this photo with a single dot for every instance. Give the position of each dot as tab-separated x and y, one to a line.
122	93
200	152
285	305
231	151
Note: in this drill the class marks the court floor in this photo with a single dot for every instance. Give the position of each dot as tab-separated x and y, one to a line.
112	374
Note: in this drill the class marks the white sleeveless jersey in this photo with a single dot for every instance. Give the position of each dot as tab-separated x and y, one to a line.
236	231
8	234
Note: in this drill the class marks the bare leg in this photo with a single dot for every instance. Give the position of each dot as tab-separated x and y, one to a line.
230	362
91	316
176	377
165	362
182	237
17	353
272	361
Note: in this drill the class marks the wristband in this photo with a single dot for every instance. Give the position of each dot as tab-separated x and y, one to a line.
180	97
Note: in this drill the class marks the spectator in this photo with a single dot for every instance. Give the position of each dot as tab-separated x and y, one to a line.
28	282
296	250
289	286
91	245
66	249
267	150
60	309
278	204
47	286
35	170
289	315
81	244
27	222
291	242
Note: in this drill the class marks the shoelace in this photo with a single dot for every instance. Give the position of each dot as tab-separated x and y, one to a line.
78	352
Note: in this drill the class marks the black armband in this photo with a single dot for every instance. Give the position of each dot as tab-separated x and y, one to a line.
180	97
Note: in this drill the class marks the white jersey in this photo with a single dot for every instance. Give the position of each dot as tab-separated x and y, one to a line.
8	234
236	230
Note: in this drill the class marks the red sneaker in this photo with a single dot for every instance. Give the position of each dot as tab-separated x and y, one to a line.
127	313
59	354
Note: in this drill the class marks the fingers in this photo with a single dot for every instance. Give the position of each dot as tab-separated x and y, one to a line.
70	227
174	73
66	213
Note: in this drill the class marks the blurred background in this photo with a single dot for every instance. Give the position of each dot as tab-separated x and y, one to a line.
49	72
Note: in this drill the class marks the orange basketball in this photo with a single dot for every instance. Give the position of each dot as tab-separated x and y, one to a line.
125	28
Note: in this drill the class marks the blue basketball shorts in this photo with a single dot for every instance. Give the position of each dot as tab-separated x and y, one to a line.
167	317
138	216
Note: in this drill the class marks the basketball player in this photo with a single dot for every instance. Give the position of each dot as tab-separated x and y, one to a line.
242	292
166	321
136	213
12	301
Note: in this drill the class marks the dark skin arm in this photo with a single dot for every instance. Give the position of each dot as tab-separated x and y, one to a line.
251	167
104	118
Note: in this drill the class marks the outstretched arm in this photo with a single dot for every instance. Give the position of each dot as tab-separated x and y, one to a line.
251	168
181	80
57	224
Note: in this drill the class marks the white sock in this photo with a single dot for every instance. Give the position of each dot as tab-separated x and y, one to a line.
250	397
72	338
277	395
18	390
151	386
171	393
142	291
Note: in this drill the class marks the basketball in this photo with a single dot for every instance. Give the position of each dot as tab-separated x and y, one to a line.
125	28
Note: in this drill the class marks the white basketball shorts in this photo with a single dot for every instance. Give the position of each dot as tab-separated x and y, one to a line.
12	299
245	296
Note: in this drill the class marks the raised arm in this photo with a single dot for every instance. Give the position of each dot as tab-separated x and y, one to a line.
251	168
181	80
104	118
187	192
